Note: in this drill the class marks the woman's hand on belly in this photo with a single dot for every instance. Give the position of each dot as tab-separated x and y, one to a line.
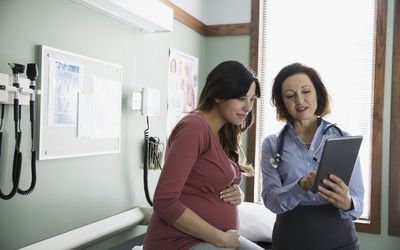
192	224
232	195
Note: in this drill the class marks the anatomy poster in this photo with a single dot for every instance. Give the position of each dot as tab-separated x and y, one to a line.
182	86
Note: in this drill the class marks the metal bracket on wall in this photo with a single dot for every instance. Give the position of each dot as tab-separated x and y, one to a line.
7	90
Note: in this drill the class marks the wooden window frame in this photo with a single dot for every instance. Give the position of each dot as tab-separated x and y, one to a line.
374	224
394	178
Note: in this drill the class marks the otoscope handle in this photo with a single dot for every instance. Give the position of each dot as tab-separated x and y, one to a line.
16	116
32	73
32	110
32	115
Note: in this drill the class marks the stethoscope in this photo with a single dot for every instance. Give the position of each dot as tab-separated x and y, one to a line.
277	159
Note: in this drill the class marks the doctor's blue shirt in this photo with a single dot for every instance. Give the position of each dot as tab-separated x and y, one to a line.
281	191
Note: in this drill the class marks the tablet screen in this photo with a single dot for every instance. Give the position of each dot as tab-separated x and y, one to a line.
338	157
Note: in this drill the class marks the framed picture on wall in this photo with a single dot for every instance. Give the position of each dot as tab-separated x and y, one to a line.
182	86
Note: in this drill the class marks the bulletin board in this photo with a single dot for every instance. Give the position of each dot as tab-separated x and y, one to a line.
79	101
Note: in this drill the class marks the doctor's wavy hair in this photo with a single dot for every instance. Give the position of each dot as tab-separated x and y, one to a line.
230	80
323	102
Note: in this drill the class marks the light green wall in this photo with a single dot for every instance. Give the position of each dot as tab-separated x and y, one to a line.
226	48
74	192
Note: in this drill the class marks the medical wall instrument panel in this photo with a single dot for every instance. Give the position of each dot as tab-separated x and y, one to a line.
16	91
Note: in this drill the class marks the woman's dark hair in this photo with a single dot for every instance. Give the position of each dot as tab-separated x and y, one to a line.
230	80
323	103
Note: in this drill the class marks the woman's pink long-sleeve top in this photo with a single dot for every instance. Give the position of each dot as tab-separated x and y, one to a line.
195	171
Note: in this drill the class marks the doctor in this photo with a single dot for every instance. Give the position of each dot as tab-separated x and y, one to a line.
306	220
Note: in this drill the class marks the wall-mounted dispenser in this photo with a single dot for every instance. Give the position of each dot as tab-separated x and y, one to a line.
148	102
151	102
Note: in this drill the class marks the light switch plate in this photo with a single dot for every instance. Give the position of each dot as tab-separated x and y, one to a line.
136	100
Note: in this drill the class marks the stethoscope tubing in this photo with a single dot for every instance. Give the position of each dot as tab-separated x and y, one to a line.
277	159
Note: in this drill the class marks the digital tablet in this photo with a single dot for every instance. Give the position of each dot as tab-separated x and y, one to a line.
338	157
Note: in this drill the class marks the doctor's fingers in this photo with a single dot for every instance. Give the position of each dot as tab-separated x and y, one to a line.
310	177
338	197
338	181
337	186
336	201
307	182
312	174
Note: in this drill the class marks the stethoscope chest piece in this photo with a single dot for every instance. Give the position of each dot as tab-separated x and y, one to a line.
276	160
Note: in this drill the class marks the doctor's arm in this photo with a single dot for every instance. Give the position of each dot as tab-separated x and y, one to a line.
277	197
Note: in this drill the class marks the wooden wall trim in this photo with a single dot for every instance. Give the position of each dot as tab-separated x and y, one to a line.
394	178
251	134
228	29
374	225
207	30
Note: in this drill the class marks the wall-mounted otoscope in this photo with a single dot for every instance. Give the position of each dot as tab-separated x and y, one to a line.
32	73
17	69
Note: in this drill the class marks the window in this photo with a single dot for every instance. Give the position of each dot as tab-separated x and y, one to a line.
394	186
349	54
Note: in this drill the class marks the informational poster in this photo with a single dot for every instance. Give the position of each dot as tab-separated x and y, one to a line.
98	113
65	80
182	86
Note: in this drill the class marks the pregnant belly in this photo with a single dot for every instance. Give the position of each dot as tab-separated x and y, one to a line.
214	210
